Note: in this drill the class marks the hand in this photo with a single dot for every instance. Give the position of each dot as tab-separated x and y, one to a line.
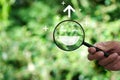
112	62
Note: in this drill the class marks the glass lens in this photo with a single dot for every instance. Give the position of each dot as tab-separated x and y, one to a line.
68	35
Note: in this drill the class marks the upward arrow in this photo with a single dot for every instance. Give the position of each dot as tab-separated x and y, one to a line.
69	9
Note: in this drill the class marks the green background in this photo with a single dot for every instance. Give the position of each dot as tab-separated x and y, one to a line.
27	51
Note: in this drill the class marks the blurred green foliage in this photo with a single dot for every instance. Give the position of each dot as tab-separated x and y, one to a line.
27	52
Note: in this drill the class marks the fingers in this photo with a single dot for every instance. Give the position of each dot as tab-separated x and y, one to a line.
108	60
96	56
114	65
112	62
91	50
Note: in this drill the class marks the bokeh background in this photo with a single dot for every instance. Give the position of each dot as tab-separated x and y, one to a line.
27	50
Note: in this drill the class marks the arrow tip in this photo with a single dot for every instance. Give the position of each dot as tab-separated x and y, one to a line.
69	8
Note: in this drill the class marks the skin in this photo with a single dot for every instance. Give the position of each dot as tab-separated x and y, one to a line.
112	62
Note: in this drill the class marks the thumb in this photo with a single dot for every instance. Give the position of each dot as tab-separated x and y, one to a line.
105	46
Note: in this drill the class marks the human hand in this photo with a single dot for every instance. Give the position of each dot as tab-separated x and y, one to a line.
112	62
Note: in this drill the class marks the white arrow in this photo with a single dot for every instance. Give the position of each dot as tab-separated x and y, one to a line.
69	9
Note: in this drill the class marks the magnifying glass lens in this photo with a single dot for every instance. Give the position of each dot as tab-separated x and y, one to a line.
68	35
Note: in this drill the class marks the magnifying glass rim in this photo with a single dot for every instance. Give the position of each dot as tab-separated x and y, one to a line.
58	26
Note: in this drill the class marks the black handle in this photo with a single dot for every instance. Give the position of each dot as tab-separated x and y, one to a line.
97	49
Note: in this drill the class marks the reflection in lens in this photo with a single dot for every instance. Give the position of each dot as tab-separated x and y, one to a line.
68	35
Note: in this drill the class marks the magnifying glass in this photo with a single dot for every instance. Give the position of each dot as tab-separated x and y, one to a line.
69	35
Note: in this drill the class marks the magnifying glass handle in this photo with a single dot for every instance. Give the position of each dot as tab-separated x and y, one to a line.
97	49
